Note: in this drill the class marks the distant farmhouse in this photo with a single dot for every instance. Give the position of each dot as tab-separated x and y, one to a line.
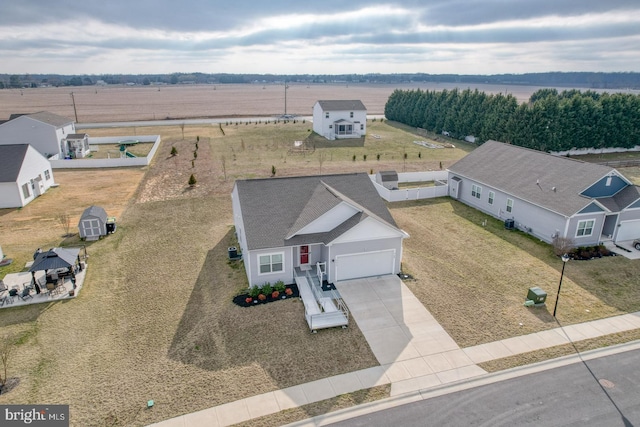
53	136
24	175
340	119
548	196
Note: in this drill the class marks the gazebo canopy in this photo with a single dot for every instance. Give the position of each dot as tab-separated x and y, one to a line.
55	258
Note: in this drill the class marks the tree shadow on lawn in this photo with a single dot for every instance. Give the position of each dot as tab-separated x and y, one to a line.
612	280
215	334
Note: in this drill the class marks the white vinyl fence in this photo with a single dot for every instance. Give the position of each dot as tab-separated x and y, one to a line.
110	163
439	190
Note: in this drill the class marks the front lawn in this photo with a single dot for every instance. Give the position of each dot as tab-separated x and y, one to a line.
474	279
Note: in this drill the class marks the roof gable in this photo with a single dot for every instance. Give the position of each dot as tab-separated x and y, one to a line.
274	210
11	159
368	229
606	186
94	212
552	182
44	117
342	105
329	220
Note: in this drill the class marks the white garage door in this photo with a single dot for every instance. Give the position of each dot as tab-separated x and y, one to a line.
365	264
628	230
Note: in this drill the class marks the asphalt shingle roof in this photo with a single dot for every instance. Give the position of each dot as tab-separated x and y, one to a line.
552	182
46	117
95	212
274	209
11	159
622	199
342	105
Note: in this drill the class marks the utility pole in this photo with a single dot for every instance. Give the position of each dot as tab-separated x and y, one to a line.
285	97
74	107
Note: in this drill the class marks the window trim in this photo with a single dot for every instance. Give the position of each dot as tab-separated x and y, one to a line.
585	222
271	271
509	205
476	191
26	191
491	198
47	175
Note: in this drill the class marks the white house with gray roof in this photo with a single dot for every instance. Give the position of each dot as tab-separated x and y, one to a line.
24	175
44	131
334	225
338	119
548	196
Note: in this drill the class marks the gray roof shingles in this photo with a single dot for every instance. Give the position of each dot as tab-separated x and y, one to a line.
94	212
532	175
342	105
274	209
46	117
11	159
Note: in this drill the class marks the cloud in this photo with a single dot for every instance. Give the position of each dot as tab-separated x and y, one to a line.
283	36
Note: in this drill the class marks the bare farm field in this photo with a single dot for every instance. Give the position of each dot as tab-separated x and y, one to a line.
130	103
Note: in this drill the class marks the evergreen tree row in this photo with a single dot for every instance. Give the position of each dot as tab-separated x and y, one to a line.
550	121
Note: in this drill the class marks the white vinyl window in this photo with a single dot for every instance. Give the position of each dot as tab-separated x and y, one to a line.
351	114
326	115
47	175
476	191
271	263
492	195
509	205
25	190
585	228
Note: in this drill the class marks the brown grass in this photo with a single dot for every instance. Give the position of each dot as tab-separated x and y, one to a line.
474	279
319	408
155	319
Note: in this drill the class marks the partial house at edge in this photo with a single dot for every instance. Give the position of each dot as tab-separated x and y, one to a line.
24	175
548	196
338	119
52	135
337	223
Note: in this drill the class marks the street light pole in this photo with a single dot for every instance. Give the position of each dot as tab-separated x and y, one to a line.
565	258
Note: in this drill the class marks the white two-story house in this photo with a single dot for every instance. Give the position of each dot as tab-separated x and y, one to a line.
337	119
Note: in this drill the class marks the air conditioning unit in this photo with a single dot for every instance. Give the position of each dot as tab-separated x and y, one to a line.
509	224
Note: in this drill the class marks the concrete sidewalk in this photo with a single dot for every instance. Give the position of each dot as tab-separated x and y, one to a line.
414	352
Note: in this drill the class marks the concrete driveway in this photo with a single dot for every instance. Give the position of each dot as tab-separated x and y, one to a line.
398	327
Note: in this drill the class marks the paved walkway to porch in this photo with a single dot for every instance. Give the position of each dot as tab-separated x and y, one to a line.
414	351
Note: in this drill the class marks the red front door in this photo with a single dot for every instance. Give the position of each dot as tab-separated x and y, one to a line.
304	254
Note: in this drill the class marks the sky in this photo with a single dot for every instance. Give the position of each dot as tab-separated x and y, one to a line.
319	37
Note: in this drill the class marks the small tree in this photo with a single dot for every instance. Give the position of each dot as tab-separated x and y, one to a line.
65	222
223	160
6	348
195	154
378	156
364	157
353	158
174	151
192	181
419	154
273	170
197	139
562	245
182	128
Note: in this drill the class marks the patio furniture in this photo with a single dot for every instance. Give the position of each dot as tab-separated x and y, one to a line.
25	294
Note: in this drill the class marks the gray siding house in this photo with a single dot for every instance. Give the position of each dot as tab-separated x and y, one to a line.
548	196
334	225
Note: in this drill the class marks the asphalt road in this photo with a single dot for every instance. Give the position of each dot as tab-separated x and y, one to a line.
599	392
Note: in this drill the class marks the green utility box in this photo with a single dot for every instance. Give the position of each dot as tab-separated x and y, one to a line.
537	295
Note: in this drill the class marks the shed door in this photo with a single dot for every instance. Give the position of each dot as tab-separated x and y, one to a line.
628	230
365	264
91	227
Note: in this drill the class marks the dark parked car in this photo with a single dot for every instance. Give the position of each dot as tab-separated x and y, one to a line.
636	244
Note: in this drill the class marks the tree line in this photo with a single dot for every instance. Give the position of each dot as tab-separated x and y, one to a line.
550	121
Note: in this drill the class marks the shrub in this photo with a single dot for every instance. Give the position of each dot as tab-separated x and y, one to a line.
378	156
273	170
262	297
254	291
288	291
266	288
192	181
248	300
275	294
174	151
354	158
279	286
364	157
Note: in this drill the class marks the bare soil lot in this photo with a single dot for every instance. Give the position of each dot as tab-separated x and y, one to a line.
126	103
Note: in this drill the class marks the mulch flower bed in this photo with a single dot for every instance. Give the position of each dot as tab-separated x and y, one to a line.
245	300
583	253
